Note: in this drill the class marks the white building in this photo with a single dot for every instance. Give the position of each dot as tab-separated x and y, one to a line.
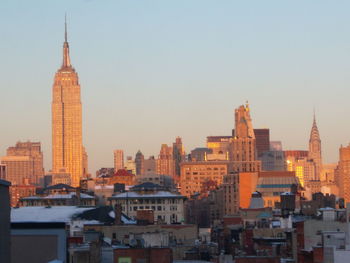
167	207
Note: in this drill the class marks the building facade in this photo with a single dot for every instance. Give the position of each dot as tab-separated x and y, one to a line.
178	155
195	176
165	161
2	171
140	163
167	207
243	151
343	173
118	160
24	163
315	154
67	141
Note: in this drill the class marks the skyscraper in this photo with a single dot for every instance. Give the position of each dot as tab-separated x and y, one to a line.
178	154
67	142
344	173
24	163
315	150
118	160
165	161
244	155
140	163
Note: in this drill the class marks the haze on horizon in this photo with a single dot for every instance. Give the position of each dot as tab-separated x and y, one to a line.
153	70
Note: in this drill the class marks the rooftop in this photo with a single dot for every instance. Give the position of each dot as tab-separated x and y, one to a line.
157	194
90	215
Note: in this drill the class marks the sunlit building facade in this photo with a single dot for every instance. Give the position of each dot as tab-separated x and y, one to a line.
67	143
243	151
343	173
118	160
24	163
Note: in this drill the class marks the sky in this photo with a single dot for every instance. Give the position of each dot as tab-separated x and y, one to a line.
154	70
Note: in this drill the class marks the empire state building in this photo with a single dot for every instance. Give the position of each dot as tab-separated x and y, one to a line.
67	145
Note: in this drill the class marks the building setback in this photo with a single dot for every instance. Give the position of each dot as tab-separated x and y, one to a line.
67	142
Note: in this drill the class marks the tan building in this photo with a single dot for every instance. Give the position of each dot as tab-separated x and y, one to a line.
118	160
24	163
271	184
243	151
194	175
167	207
220	146
178	155
237	191
150	166
130	165
343	173
67	141
165	161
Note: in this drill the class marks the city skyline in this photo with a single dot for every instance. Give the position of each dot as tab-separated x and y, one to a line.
121	99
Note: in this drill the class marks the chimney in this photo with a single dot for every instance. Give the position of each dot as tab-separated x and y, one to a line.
77	191
118	214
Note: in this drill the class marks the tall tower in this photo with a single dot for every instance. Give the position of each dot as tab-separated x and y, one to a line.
178	154
140	163
67	144
118	160
243	153
315	150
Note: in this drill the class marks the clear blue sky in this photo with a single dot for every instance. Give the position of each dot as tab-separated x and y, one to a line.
153	70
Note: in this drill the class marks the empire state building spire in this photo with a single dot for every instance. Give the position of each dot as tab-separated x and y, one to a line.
66	59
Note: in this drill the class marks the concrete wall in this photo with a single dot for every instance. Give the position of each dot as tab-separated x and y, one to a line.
4	222
31	244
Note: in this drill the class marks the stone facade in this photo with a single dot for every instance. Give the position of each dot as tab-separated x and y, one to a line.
67	141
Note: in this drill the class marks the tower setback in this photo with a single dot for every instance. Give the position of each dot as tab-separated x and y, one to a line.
67	145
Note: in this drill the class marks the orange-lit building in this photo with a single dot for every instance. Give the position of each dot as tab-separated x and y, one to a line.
165	161
243	150
68	154
122	176
343	173
19	191
237	191
195	175
271	184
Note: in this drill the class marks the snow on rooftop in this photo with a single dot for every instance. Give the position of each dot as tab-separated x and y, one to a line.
287	193
43	214
59	196
98	187
124	219
157	194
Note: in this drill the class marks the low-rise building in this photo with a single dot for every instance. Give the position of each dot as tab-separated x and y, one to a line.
17	192
59	195
272	184
168	207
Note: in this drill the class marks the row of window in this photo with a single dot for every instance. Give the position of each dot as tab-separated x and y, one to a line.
154	208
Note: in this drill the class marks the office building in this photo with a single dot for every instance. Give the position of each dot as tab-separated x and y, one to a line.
24	163
140	163
67	141
118	160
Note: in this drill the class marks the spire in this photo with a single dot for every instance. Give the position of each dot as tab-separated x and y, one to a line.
65	27
66	59
314	135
